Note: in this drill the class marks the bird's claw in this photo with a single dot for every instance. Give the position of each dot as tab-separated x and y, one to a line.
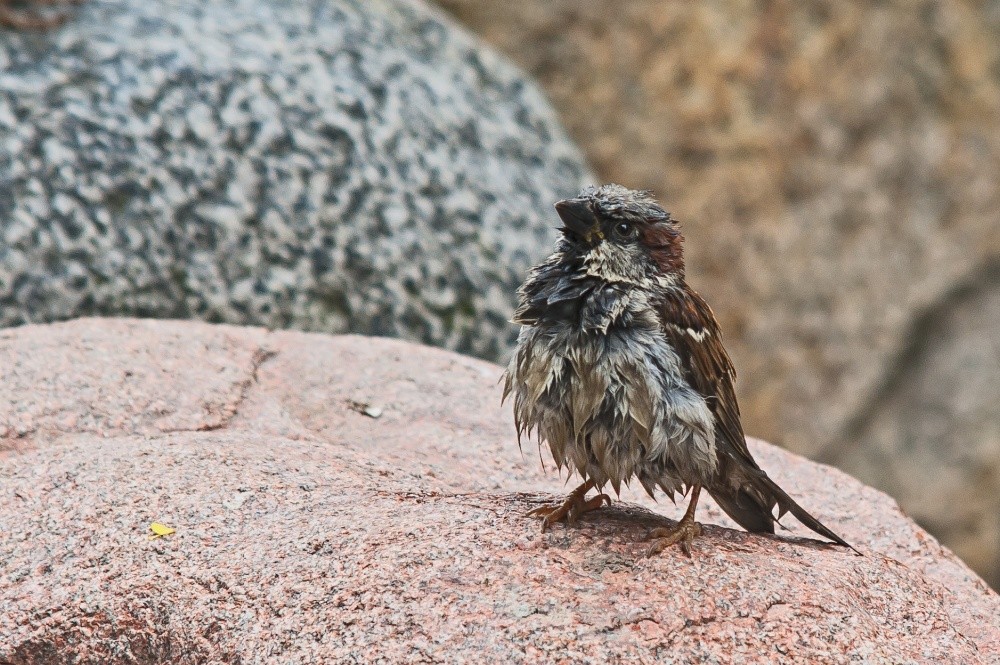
571	509
684	534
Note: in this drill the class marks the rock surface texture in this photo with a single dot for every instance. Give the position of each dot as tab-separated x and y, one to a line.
308	530
834	167
339	165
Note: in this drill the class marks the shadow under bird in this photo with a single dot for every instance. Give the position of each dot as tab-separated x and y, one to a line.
620	369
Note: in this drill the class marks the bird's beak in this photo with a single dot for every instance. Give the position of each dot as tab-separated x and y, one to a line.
580	219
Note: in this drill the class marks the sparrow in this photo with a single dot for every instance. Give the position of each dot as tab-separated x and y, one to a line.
620	369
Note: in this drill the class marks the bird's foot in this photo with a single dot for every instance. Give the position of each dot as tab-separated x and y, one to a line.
684	533
575	505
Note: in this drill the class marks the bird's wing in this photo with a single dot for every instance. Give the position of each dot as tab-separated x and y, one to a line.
690	325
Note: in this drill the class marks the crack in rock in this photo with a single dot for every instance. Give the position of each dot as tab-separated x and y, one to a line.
261	355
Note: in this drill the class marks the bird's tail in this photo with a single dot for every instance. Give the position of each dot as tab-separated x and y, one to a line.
752	509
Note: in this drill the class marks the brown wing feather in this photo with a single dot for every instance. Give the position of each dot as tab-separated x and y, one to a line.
695	334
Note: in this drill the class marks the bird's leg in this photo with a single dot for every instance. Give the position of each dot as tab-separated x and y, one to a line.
684	533
576	504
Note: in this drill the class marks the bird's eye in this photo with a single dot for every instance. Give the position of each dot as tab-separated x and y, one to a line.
624	230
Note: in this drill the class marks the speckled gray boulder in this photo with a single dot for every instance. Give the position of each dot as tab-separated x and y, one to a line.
338	165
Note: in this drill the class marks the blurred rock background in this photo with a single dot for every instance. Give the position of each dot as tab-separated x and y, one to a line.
836	167
337	166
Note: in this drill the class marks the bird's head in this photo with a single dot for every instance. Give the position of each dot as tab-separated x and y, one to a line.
620	235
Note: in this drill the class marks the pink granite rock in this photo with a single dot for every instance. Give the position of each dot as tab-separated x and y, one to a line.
346	499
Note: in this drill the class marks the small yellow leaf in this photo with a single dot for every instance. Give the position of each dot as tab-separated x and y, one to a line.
160	530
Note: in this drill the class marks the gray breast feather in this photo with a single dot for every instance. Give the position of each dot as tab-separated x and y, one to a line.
611	401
